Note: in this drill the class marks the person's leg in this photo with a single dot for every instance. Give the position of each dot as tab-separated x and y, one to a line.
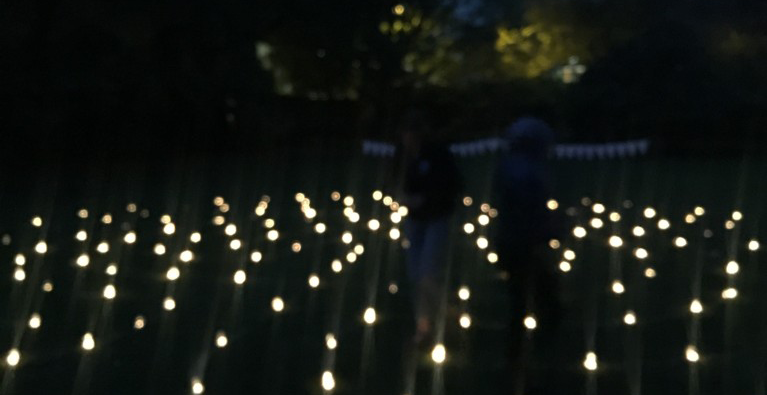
434	262
415	231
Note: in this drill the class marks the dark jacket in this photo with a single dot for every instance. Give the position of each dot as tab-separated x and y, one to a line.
433	179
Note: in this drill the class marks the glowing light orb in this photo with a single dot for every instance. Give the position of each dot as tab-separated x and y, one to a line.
88	343
650	273
107	219
552	204
268	223
689	218
377	195
131	208
186	256
729	224
696	307
663	224
598	208
691	354
314	281
483	220
554	244
753	245
485	207
139	322
465	321
649	212
369	316
468	228
81	235
83	260
235	244
328	382
464	293
737	215
159	249
615	217
47	286
615	241
590	362
569	255
565	266
35	321
320	228
165	219
336	266
730	293
13	357
351	257
169	228
467	201
393	288
130	237
109	292
680	242
256	256
394	234
638	231
169	304
579	232
173	273
398	9
403	211
230	229
699	211
596	223
82	213
630	318
387	200
103	247
278	304
355	217
41	247
221	339
359	249
618	287
295	247
438	354
530	323
330	341
348	201
197	386
218	200
492	257
239	277
732	268
373	224
218	220
641	253
272	235
482	242
20	260
300	197
37	222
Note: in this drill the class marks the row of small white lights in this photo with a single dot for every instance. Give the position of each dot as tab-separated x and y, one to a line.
615	241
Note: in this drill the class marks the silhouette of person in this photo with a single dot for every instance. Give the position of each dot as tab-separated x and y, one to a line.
525	227
430	187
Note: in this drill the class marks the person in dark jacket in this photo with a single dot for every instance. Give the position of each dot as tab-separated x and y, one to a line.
526	226
430	185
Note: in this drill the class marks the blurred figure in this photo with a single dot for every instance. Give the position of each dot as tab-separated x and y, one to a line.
430	186
526	226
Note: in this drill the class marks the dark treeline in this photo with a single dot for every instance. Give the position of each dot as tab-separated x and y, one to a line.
84	76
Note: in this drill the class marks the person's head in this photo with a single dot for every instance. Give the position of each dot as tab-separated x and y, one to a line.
530	136
413	130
